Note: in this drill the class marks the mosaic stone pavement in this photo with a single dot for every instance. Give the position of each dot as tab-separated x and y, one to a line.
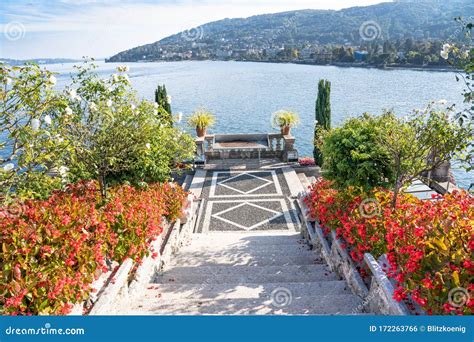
247	256
246	201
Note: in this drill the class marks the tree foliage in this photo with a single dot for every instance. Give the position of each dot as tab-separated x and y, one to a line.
164	104
422	142
323	117
461	56
96	128
117	136
469	94
33	139
388	151
353	156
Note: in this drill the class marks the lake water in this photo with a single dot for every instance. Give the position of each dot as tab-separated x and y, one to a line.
244	95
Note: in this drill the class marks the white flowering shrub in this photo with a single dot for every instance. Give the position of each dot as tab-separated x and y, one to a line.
117	137
95	128
32	139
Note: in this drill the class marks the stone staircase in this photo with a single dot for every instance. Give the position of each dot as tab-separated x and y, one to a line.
306	181
246	274
241	266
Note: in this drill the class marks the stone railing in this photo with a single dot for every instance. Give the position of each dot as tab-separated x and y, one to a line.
377	295
246	146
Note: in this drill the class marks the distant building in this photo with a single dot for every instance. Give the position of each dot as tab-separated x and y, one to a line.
360	56
239	53
223	53
401	55
199	45
307	53
273	52
323	56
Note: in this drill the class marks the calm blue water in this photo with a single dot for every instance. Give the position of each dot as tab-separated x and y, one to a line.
244	95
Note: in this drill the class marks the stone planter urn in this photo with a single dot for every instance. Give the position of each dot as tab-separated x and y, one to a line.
285	130
201	131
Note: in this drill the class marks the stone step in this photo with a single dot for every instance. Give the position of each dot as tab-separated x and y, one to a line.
282	305
246	248
230	240
197	183
250	233
254	259
293	181
247	253
246	274
187	182
247	290
304	181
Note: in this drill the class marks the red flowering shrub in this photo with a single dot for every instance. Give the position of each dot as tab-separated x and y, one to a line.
326	204
429	243
53	250
355	216
430	250
306	161
135	216
175	199
364	228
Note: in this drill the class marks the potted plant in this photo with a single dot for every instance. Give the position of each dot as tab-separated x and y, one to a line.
201	119
285	119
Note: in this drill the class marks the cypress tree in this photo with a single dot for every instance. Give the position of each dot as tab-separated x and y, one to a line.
323	116
161	98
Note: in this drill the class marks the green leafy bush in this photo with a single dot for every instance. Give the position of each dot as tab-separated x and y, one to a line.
167	147
116	136
97	128
353	155
423	141
372	151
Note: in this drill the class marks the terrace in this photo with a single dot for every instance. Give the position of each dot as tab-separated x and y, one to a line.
246	146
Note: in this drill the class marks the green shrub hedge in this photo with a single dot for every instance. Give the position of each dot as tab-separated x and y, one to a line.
354	156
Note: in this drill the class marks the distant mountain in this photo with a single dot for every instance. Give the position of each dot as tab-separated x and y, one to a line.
420	20
38	61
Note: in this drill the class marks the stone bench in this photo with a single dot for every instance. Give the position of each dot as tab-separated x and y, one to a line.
240	145
245	146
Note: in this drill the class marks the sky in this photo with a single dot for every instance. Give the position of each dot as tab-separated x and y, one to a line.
101	28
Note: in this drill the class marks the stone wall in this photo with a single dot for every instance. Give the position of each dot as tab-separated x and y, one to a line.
377	296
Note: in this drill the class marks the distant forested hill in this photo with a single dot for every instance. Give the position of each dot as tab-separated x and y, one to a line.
420	20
